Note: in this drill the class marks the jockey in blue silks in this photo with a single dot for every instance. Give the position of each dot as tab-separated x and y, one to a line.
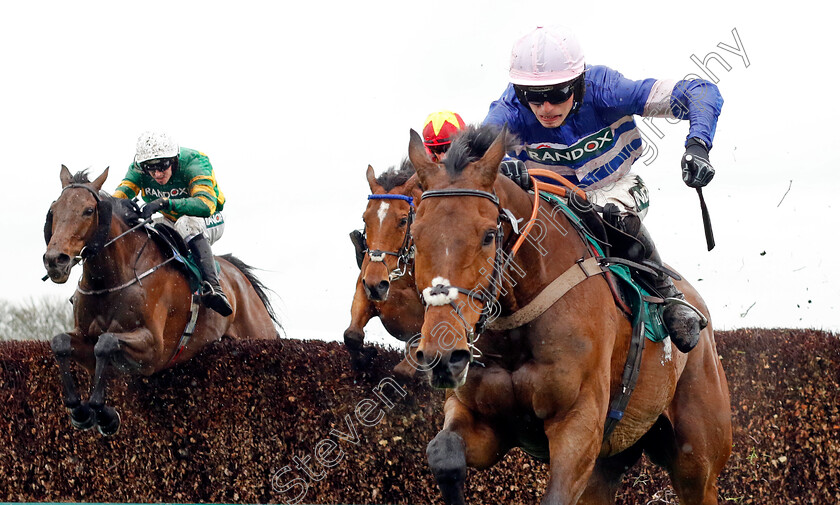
577	121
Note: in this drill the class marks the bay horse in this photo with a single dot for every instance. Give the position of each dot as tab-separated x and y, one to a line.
385	287
546	385
133	309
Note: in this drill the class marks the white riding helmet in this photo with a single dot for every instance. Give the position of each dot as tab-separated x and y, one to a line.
545	56
154	145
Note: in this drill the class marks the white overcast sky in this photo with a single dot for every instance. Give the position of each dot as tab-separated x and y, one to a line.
292	101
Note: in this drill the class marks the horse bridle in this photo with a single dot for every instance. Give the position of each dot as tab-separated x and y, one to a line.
98	241
406	252
499	265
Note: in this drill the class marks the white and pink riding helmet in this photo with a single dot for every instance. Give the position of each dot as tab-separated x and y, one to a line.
547	64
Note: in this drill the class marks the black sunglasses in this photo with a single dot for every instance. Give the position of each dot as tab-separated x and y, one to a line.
157	165
537	95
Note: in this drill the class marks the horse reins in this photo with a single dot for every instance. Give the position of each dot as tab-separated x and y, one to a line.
98	242
406	251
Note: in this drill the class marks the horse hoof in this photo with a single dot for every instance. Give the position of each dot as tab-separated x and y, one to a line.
361	360
82	417
108	421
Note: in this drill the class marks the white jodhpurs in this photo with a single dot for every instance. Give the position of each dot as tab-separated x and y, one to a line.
629	193
189	227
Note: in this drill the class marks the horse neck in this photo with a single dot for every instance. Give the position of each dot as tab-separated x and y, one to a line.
558	249
115	263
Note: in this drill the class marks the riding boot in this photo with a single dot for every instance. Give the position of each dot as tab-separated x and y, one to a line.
358	239
211	291
682	323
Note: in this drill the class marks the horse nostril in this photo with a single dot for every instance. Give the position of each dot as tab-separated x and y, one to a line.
383	286
458	361
459	357
420	358
56	259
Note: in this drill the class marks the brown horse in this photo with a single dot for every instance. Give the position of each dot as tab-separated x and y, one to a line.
133	307
546	385
385	287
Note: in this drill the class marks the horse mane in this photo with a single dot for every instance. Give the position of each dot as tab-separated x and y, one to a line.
471	144
80	177
259	287
127	210
394	177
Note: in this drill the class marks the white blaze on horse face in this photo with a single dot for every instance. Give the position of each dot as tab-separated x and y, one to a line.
383	211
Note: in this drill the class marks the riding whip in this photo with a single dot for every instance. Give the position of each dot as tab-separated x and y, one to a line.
707	222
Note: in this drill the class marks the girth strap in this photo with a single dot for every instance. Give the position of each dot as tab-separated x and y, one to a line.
189	329
632	367
577	273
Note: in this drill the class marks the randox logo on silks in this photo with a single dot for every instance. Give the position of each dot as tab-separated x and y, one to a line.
584	149
173	193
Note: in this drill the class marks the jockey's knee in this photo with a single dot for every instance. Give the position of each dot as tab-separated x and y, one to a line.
190	227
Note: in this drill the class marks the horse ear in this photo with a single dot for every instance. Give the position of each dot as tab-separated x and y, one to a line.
488	166
375	187
425	167
65	176
97	184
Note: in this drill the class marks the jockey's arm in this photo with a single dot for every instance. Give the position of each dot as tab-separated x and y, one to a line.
202	201
130	185
697	100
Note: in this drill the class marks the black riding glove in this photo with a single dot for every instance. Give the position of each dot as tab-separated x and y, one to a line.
515	170
696	169
154	206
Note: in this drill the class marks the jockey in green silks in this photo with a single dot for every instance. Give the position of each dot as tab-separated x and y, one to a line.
180	184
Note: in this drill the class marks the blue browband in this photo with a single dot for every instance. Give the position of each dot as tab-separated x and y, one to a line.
408	199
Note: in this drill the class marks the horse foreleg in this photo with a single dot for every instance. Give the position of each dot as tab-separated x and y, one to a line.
81	416
361	312
447	459
574	441
464	441
107	419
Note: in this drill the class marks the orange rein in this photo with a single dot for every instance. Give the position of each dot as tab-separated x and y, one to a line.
548	188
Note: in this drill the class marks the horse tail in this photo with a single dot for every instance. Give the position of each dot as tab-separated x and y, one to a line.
262	291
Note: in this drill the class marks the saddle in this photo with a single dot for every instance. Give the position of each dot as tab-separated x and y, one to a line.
622	253
172	245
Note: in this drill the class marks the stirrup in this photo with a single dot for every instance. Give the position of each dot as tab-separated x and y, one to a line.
207	289
679	301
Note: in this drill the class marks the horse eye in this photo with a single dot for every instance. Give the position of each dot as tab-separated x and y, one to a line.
88	211
489	237
403	222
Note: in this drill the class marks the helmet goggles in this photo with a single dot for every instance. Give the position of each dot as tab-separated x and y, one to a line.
553	94
156	165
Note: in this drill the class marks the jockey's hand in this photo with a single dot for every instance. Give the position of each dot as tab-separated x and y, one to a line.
696	169
154	206
516	171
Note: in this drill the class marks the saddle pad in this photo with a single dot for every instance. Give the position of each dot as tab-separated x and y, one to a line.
634	293
172	245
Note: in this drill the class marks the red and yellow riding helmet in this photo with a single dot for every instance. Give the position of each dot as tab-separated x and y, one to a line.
440	128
